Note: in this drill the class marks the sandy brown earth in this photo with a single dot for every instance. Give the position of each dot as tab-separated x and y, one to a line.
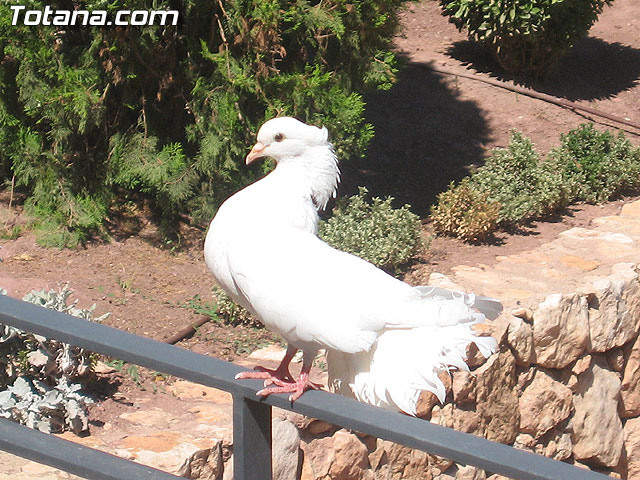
430	128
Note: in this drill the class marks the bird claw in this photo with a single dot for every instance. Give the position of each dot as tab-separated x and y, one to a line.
280	379
277	381
296	388
253	375
270	376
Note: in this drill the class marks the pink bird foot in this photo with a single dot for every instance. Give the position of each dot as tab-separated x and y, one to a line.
296	388
282	379
279	376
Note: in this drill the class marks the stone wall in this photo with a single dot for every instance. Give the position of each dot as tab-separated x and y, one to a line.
570	369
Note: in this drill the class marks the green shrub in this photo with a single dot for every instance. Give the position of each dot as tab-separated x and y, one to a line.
600	165
374	231
88	114
464	212
524	186
231	313
526	36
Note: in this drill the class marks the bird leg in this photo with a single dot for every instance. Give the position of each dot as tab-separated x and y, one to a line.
280	376
298	387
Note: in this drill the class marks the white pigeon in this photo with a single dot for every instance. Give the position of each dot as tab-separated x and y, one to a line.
386	340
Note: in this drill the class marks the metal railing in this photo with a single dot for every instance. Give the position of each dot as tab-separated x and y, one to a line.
251	415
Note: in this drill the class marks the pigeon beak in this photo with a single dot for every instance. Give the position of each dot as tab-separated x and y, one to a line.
256	152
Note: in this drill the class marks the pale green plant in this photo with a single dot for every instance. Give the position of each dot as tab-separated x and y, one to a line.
520	182
42	377
464	212
599	164
374	230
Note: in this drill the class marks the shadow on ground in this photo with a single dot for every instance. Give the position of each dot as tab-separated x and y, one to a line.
425	137
593	69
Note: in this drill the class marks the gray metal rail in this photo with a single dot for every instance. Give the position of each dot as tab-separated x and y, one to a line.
251	415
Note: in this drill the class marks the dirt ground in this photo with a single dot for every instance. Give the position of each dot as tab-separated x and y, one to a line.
430	128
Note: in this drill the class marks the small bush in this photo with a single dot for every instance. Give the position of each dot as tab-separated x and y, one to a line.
464	212
40	377
231	313
526	36
524	186
374	231
600	165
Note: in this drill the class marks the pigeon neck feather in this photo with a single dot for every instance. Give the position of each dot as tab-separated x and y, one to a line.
315	173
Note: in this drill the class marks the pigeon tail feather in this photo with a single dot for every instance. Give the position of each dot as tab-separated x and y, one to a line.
403	362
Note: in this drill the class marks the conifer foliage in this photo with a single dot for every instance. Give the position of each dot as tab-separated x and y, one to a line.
91	114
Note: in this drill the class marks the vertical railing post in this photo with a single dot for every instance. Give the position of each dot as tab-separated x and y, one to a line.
251	439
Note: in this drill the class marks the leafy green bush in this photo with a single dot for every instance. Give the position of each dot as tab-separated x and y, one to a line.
231	313
88	114
515	184
600	165
524	186
465	212
40	378
375	231
526	36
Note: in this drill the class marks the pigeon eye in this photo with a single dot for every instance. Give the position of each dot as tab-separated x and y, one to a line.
279	137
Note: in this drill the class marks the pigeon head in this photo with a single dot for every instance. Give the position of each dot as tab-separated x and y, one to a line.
303	155
284	138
